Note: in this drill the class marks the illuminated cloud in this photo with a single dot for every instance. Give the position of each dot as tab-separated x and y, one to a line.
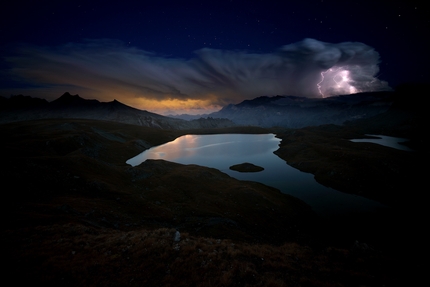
107	70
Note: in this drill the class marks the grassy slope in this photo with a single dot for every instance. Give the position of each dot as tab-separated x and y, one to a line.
78	215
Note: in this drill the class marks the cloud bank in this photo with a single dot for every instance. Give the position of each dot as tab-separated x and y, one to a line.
108	69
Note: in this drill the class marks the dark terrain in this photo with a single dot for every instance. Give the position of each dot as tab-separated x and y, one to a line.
78	215
299	112
370	170
246	167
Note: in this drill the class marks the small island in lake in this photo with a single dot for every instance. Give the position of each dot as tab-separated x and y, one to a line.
246	167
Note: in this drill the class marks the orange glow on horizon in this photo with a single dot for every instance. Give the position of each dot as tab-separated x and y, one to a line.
173	106
205	105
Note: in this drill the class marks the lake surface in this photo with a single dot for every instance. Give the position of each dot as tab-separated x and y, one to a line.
392	142
224	150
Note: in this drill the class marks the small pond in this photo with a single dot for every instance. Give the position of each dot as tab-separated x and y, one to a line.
392	142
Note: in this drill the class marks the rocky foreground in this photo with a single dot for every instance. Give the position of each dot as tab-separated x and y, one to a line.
77	215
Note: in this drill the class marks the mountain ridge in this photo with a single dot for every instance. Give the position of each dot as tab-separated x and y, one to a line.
22	108
298	112
264	111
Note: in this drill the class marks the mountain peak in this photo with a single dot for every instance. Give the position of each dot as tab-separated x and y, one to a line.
68	99
117	104
67	95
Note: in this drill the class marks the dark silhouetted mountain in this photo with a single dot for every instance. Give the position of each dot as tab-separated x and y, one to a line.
21	102
297	112
19	108
278	111
68	100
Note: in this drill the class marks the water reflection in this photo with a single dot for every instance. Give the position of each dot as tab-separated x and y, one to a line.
224	150
212	149
392	142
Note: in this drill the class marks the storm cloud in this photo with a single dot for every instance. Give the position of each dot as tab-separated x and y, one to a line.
108	69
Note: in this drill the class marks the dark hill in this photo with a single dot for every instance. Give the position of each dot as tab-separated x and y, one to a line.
20	102
263	100
297	112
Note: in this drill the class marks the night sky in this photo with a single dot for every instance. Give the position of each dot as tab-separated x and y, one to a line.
197	56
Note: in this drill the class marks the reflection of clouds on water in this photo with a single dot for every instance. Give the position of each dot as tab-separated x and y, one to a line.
208	145
161	154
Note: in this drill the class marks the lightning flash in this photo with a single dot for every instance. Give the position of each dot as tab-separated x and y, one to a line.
336	81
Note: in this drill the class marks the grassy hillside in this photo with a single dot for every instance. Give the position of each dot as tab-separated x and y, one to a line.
78	215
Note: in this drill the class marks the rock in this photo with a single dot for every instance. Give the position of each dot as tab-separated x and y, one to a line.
177	237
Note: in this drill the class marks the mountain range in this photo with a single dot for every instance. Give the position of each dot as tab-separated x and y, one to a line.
21	108
264	111
297	112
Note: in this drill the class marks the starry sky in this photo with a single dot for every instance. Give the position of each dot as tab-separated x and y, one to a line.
194	57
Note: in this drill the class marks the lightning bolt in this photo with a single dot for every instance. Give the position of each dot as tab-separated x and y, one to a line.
343	78
322	80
